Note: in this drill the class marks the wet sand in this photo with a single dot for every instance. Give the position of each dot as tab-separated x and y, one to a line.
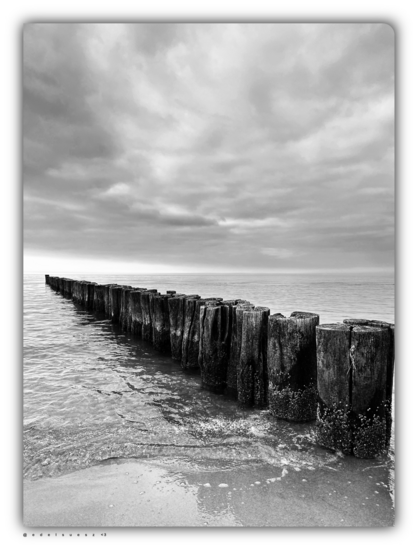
137	493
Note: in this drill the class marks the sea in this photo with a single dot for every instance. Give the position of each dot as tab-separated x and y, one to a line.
93	394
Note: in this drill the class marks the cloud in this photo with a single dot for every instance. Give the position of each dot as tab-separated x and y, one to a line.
217	145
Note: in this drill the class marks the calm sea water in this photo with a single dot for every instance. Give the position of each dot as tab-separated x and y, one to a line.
93	393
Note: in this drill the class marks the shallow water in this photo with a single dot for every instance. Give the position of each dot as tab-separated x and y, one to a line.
93	393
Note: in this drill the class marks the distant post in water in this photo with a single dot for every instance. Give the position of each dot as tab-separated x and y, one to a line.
292	368
115	296
146	314
252	381
161	323
98	298
176	318
90	295
124	304
106	296
47	279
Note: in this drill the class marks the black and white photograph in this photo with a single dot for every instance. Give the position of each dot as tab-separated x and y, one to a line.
209	274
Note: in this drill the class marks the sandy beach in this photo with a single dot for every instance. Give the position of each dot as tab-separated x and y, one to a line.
133	493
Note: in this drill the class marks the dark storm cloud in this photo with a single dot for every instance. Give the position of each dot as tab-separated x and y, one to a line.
248	145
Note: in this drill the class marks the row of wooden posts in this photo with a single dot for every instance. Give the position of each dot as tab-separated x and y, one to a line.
340	374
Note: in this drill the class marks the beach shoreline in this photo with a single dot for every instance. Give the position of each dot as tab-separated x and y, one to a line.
137	493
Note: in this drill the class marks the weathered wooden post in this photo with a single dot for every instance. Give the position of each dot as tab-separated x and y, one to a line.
333	425
132	310
60	285
368	354
252	381
135	314
84	294
115	295
68	288
176	311
124	305
390	337
47	279
235	350
76	291
161	323
90	296
291	364
214	345
98	299
172	292
190	344
146	314
107	293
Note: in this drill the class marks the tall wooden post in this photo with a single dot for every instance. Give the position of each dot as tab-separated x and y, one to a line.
115	295
176	311
190	345
161	323
214	344
252	380
292	369
352	386
235	350
333	426
390	331
146	314
98	298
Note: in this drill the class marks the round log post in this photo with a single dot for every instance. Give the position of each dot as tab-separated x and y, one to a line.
124	304
161	323
115	295
66	287
90	295
146	314
71	288
368	354
60	285
84	294
98	299
76	291
214	343
333	425
134	324
390	327
63	284
291	365
171	292
190	345
235	348
47	279
252	380
176	311
106	296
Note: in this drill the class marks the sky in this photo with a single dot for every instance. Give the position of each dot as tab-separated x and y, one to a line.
208	147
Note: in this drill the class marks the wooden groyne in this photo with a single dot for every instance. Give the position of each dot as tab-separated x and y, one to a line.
339	375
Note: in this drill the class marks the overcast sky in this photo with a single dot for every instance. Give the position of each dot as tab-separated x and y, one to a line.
208	147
